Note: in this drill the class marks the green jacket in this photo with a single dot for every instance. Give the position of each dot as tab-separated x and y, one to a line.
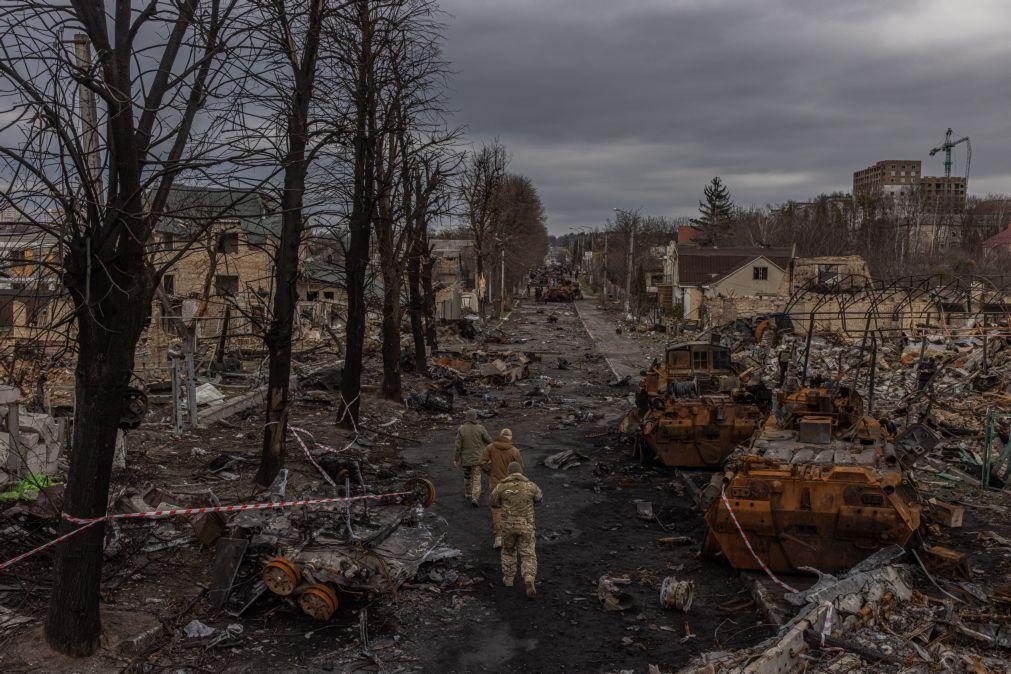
471	439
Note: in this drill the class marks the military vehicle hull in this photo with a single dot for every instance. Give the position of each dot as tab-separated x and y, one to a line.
698	433
819	487
826	517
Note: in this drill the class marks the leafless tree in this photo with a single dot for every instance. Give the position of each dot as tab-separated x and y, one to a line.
517	234
290	115
482	176
99	178
413	165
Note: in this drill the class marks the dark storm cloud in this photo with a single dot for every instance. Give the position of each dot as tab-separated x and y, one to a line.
640	103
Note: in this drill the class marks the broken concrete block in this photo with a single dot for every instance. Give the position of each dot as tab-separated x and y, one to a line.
948	514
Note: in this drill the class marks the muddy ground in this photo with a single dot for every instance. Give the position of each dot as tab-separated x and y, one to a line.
455	616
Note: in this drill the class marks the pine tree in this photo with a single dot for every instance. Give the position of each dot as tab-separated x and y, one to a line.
715	213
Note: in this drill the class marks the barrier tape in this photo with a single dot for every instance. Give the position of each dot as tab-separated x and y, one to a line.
747	543
231	508
50	544
172	512
826	629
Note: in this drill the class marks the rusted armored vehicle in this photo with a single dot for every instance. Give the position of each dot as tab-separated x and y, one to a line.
384	552
820	486
565	291
693	410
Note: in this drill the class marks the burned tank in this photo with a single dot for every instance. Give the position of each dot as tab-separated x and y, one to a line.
693	410
564	291
820	486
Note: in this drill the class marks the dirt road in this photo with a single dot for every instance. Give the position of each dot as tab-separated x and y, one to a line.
587	527
454	616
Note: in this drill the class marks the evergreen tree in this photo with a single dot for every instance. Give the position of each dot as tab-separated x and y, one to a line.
715	213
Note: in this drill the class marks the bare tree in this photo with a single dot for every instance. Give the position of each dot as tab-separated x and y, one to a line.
413	134
108	187
482	177
293	71
517	234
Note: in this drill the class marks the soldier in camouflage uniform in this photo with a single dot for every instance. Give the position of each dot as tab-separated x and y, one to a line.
471	439
516	495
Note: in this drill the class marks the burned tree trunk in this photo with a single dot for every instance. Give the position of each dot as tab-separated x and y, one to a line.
390	262
416	304
362	207
219	357
296	168
279	333
392	386
104	365
428	295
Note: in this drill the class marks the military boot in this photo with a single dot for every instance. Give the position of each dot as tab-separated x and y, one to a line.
531	590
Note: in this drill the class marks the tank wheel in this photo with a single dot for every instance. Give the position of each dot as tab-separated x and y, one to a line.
281	576
318	601
423	490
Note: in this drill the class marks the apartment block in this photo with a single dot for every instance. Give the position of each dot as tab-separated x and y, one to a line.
890	177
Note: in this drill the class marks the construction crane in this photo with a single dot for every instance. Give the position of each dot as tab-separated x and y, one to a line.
947	146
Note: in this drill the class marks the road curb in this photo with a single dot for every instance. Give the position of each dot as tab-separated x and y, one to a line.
594	340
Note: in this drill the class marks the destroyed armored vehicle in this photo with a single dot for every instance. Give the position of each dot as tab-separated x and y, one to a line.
820	486
565	291
693	410
384	550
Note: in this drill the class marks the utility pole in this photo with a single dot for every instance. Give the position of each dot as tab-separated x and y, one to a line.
628	275
89	114
603	285
503	298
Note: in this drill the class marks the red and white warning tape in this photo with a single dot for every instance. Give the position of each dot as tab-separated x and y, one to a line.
747	543
826	628
26	555
151	514
172	512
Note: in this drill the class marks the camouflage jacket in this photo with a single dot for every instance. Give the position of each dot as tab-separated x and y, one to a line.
516	496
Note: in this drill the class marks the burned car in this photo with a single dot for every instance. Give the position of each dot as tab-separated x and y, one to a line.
820	486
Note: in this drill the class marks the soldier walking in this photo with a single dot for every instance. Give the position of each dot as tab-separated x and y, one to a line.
495	460
516	496
471	439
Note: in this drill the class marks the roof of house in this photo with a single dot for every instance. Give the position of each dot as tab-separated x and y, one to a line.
444	247
705	266
191	206
1002	238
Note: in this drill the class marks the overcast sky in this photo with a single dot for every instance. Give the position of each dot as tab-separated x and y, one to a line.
629	103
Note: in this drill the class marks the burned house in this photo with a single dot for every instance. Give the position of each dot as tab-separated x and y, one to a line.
454	277
697	280
216	246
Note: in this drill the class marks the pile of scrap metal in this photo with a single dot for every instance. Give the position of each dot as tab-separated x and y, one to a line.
693	410
330	555
564	291
451	373
506	368
820	486
873	619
